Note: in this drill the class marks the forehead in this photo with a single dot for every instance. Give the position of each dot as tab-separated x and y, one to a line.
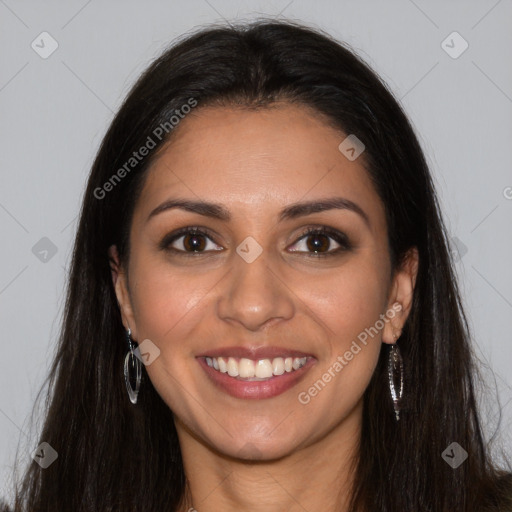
257	160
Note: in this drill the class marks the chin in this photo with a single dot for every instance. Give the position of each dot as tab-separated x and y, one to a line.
257	450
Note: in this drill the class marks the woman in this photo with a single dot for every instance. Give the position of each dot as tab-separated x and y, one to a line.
262	312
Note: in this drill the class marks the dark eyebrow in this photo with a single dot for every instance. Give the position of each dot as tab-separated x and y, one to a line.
293	211
320	205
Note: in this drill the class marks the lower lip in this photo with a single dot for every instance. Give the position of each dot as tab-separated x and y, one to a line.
274	386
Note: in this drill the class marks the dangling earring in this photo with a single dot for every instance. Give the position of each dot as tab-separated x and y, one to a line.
396	367
132	362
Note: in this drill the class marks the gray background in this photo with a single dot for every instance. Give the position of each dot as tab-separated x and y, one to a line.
54	112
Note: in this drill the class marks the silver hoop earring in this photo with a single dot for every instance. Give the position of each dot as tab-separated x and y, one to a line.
132	362
396	368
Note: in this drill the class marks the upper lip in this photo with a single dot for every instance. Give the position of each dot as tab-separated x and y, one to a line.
255	353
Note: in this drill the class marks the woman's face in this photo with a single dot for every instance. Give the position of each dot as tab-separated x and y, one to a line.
252	291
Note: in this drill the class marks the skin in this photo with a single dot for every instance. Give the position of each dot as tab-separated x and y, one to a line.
271	454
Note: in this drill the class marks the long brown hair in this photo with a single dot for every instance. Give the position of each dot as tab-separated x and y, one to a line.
116	456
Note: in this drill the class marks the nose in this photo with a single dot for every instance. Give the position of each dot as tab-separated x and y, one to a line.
254	295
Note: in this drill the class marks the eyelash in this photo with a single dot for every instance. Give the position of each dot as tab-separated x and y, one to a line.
338	237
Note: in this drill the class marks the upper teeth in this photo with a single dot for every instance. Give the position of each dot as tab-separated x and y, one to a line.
262	368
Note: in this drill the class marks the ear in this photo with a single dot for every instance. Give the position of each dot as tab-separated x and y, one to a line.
120	282
400	298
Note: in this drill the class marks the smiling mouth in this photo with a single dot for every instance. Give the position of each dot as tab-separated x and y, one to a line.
251	370
256	377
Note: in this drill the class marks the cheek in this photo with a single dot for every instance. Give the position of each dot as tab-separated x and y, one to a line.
349	299
168	307
350	302
162	298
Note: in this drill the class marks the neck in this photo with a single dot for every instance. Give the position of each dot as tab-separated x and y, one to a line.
318	476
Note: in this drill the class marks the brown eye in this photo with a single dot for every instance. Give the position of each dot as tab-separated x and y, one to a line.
318	242
192	241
